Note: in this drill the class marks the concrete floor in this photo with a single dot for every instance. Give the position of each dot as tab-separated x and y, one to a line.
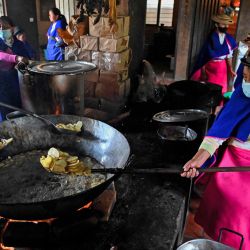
192	229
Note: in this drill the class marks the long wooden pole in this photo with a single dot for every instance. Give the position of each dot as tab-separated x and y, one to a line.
168	170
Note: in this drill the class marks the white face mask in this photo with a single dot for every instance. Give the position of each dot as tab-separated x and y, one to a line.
7	37
246	88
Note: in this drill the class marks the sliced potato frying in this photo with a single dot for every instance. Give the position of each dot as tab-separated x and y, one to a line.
53	152
61	162
73	127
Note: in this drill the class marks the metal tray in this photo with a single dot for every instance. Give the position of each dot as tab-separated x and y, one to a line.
60	67
180	115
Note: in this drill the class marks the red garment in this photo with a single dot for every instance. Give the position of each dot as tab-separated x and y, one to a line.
216	72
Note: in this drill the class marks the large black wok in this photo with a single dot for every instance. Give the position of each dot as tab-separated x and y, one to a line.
99	140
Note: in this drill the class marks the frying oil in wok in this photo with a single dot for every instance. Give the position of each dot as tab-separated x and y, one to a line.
24	180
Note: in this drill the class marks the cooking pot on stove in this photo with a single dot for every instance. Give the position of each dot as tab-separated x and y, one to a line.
205	244
173	125
180	133
54	87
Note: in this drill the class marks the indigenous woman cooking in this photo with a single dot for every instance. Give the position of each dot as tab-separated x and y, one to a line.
215	59
11	53
55	46
226	199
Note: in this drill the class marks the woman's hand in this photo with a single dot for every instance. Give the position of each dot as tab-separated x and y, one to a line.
232	73
190	168
203	74
21	59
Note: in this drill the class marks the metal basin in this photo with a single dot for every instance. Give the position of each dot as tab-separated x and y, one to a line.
180	115
176	133
61	85
98	140
203	244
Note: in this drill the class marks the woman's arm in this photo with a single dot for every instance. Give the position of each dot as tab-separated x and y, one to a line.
197	161
10	58
206	150
6	57
230	67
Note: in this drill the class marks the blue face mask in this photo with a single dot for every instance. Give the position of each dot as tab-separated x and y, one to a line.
7	37
246	88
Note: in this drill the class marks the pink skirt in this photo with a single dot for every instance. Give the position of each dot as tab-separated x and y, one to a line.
216	72
226	201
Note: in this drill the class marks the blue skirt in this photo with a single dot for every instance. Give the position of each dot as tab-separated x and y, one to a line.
54	53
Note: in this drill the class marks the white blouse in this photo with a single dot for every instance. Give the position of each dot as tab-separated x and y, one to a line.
211	144
222	39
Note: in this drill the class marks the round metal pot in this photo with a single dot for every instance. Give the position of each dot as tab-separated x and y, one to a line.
180	124
180	132
54	87
202	244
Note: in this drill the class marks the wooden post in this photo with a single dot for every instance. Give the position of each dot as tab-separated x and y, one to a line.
183	37
243	20
137	12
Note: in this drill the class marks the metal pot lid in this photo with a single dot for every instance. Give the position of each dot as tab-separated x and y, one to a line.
61	67
180	115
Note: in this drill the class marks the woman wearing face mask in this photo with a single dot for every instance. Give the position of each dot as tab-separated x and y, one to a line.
55	46
215	59
11	53
226	199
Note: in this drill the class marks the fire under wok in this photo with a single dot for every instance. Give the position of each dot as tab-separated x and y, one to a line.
29	192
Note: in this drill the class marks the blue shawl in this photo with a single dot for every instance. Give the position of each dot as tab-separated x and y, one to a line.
17	48
234	118
3	46
212	49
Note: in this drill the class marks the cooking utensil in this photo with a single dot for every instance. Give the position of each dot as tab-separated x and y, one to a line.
204	244
98	140
60	67
168	170
180	115
26	112
62	85
176	133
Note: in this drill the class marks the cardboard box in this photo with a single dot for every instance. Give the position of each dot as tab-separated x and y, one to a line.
74	53
102	28
113	45
89	88
96	57
114	92
108	61
109	76
127	88
89	42
115	61
92	76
